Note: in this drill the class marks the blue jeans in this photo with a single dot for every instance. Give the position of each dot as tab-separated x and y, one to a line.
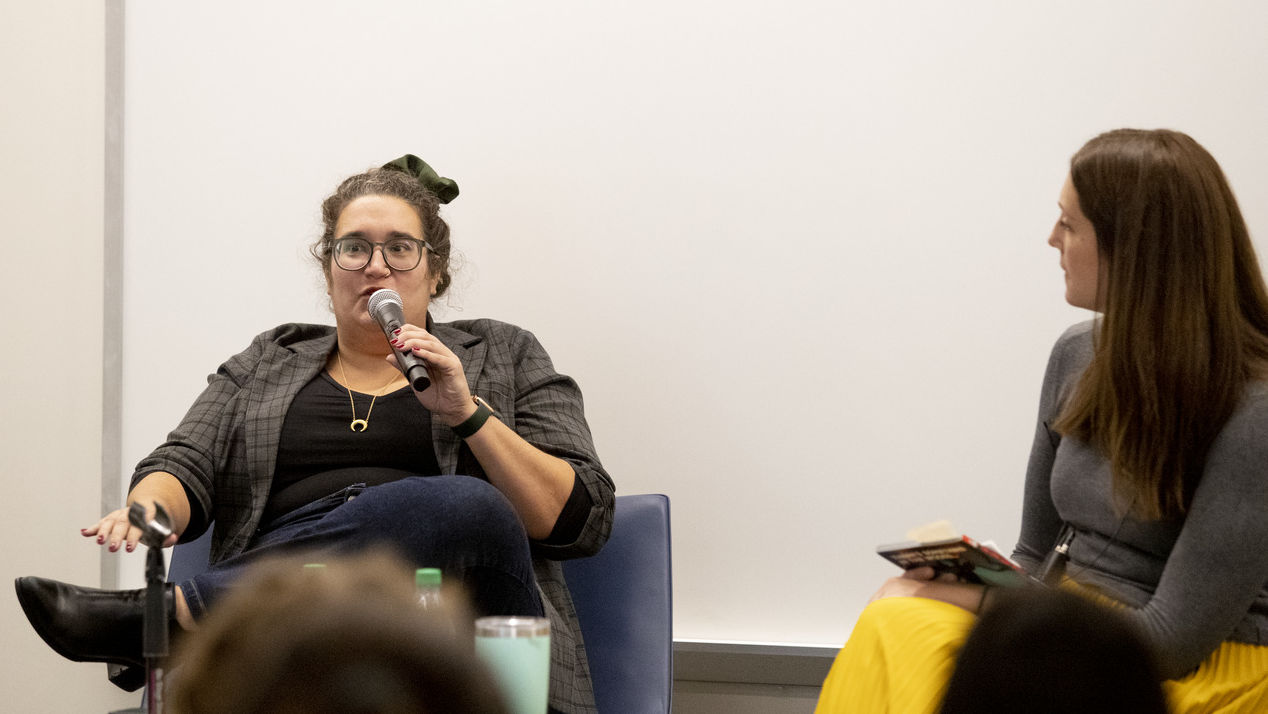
460	524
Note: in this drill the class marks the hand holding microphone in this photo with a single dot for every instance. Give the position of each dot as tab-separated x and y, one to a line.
387	309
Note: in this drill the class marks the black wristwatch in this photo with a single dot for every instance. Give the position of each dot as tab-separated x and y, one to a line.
473	423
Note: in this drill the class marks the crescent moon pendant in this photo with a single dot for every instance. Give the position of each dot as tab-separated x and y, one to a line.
359	425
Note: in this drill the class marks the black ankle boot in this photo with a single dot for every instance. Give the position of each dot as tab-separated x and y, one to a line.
87	624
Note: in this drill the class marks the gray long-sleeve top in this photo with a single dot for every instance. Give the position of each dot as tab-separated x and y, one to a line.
1189	583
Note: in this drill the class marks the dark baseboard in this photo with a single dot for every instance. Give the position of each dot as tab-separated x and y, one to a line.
741	663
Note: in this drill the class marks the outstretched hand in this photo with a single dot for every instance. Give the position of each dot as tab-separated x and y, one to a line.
115	531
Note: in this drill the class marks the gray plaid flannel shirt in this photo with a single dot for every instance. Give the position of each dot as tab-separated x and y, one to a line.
225	451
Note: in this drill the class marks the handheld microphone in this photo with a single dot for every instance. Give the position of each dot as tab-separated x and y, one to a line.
387	309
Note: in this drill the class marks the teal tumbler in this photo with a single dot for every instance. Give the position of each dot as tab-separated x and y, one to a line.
517	651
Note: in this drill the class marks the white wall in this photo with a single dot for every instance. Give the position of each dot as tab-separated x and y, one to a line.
793	252
51	184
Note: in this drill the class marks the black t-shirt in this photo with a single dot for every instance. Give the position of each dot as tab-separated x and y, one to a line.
319	453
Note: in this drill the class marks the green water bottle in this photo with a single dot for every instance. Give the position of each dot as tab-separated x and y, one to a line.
427	585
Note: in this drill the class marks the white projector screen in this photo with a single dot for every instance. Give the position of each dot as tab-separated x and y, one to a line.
794	253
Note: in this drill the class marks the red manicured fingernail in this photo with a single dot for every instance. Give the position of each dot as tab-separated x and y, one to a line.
101	539
131	547
84	531
397	331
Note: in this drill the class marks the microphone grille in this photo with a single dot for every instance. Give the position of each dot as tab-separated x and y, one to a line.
379	297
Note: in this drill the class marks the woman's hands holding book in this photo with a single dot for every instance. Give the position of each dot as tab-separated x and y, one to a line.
922	582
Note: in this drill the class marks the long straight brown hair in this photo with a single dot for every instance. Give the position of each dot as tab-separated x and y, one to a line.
1185	322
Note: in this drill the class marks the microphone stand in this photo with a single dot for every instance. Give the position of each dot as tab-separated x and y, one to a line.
154	635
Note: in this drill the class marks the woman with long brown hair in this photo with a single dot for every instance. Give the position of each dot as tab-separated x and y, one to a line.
1151	446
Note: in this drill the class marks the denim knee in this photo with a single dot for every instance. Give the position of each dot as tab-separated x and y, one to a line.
463	516
477	512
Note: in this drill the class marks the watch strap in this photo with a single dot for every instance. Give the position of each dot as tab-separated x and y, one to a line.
472	424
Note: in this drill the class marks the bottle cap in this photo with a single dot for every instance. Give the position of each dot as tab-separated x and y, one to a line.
427	577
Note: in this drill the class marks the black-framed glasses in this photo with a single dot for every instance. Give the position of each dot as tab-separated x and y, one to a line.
354	253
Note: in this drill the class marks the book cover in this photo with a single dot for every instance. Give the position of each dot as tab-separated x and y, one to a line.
969	560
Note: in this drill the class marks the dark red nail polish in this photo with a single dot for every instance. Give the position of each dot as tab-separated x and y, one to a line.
397	331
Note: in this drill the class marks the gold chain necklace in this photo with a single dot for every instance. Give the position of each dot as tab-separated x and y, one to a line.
359	424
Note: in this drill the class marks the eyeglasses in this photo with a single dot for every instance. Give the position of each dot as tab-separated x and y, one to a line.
354	253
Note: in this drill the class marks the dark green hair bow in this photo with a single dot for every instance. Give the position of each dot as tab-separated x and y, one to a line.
446	189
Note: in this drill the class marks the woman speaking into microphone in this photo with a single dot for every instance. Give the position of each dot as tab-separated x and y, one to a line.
313	439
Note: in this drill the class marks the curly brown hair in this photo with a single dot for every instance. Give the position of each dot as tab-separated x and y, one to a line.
397	184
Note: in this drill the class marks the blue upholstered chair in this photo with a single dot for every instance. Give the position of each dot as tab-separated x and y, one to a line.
624	599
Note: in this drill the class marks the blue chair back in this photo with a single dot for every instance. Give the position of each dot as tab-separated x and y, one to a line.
624	600
189	559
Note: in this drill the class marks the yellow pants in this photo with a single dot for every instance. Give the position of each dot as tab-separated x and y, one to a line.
902	652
